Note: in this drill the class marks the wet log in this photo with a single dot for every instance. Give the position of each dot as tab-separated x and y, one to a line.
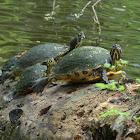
71	112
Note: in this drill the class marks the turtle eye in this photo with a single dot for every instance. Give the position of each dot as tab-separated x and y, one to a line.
79	37
80	34
113	45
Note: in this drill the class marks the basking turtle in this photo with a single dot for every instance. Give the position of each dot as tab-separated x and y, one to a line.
27	77
8	64
85	64
42	53
7	67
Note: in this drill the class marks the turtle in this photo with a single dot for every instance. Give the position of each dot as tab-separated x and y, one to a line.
8	65
26	79
43	52
85	64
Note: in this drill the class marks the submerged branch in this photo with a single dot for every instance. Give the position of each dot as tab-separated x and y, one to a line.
95	18
54	7
53	12
82	11
85	8
93	7
53	17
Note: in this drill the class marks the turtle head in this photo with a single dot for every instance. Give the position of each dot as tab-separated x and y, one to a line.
50	62
115	53
77	41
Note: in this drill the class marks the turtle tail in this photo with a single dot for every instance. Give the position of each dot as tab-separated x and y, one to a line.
39	84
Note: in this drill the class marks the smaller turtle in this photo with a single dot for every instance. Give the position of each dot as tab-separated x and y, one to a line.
40	54
28	76
8	66
85	64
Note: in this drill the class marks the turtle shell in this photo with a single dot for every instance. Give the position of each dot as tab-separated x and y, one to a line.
40	53
29	75
7	68
9	64
82	59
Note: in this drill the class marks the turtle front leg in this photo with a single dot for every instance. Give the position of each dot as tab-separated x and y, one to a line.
39	84
122	78
121	75
104	75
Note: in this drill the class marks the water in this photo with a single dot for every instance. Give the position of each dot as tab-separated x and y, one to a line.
22	26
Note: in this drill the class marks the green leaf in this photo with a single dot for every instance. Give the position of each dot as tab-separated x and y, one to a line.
124	62
135	118
111	86
113	112
107	65
137	79
121	87
108	113
125	114
101	85
48	16
112	67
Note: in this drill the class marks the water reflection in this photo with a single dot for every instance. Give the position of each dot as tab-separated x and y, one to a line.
22	26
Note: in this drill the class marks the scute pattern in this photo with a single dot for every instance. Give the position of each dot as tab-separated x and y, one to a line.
40	53
76	60
29	75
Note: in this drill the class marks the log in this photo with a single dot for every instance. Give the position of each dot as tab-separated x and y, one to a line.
71	112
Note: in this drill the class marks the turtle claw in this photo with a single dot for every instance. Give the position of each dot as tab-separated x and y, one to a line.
9	97
104	76
123	77
39	84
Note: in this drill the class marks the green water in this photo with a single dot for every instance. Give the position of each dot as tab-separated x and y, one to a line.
22	26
